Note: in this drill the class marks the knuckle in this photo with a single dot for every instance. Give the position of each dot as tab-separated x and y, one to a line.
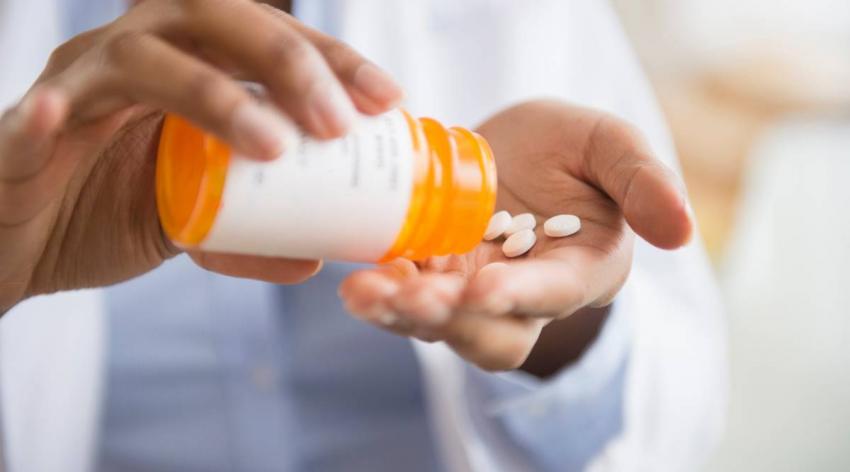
122	47
291	52
68	51
341	53
206	86
60	56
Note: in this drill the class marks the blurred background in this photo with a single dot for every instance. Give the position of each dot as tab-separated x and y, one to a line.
757	93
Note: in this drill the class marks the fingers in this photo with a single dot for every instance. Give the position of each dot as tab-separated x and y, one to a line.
269	269
425	306
428	300
494	317
294	71
313	76
651	196
194	89
544	288
372	90
202	94
182	59
493	344
368	292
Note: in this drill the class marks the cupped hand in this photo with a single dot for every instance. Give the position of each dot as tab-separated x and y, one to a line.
552	158
77	206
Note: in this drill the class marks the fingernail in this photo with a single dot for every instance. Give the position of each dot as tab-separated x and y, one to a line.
388	319
262	131
377	84
331	111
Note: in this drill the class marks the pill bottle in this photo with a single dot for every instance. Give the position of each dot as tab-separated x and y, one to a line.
393	187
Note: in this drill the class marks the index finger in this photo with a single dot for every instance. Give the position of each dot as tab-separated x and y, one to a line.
295	73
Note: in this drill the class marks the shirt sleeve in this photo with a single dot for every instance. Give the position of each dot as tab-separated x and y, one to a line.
564	422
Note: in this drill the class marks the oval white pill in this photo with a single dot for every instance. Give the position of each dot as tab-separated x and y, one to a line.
562	225
519	243
521	222
499	222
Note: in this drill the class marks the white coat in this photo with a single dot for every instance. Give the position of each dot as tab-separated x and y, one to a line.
51	348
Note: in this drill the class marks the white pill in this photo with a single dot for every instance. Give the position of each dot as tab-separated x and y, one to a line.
521	222
497	226
519	243
560	226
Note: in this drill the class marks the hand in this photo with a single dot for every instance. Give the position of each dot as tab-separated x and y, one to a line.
77	205
552	158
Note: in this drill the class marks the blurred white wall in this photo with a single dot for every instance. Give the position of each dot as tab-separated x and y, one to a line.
799	48
786	279
785	273
16	21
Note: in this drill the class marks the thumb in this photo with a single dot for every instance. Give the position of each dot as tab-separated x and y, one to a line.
651	196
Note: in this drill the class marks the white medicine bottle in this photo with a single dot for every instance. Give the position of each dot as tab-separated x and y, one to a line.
395	186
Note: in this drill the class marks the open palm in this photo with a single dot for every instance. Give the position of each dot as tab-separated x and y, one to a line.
552	158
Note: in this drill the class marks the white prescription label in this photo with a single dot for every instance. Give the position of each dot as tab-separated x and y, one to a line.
343	199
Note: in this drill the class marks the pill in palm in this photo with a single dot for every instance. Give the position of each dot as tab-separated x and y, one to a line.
560	226
519	243
499	223
521	222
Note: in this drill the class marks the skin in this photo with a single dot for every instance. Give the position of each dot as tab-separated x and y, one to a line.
77	207
552	158
561	341
76	154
